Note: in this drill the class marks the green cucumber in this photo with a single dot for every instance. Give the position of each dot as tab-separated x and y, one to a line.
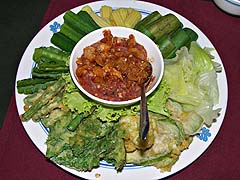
79	24
169	44
62	41
155	15
164	25
192	35
70	33
86	17
75	26
165	45
145	31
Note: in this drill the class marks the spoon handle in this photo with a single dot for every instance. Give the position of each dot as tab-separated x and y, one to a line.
144	119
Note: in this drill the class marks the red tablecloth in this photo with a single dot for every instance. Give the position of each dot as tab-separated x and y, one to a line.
20	159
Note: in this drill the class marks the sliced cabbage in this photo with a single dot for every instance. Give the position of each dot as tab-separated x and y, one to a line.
193	84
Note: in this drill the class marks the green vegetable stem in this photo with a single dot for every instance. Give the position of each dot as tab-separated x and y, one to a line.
72	126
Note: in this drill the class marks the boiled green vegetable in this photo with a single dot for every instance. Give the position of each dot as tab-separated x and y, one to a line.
62	41
169	44
75	26
145	22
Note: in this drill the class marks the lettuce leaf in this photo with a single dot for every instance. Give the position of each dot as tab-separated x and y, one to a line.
192	80
202	61
79	103
157	101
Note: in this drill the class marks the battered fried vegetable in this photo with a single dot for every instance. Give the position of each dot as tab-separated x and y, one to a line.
53	117
59	136
31	98
84	148
165	141
47	95
54	103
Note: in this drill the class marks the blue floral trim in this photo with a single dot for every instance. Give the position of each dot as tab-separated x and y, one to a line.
55	27
204	134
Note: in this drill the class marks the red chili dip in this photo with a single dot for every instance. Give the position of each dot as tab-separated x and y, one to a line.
113	68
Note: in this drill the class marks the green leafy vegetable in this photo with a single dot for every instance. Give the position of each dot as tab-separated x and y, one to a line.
84	148
157	102
193	84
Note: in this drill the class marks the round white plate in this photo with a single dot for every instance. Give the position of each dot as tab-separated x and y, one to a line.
38	133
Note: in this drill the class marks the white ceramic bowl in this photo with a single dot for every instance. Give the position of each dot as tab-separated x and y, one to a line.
230	6
153	53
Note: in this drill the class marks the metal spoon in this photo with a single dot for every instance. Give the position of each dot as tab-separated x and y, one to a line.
144	119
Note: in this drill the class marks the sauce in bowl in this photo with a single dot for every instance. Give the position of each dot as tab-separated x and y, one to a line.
113	68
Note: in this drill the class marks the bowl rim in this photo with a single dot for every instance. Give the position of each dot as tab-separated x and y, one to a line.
104	101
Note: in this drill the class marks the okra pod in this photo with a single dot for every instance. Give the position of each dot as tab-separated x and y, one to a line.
30	89
36	73
50	67
50	54
30	81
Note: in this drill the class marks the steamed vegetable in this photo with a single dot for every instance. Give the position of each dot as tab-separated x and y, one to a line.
127	17
75	26
50	64
169	44
167	32
163	25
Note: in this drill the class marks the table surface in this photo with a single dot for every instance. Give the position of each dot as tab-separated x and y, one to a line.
20	159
